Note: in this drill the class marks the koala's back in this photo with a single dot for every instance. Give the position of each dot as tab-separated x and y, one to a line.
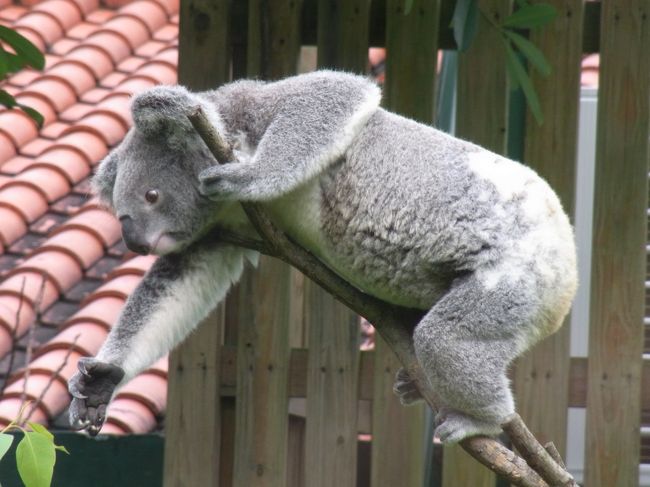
409	209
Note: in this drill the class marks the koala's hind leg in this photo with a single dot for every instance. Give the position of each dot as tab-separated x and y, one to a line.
465	344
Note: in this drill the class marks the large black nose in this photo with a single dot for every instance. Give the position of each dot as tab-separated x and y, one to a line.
133	238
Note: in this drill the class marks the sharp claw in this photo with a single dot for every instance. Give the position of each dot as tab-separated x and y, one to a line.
81	365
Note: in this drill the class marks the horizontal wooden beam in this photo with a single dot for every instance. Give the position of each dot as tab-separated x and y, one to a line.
298	377
377	27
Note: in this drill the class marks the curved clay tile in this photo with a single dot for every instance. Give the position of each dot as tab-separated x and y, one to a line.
54	130
151	48
75	112
135	84
25	200
70	162
16	314
138	265
51	182
63	46
39	103
102	311
118	104
7	148
60	267
16	165
46	24
34	147
55	359
130	415
169	56
132	28
95	95
104	124
10	408
86	6
112	80
13	225
97	60
150	12
32	35
170	6
100	16
18	126
23	77
167	34
84	337
91	145
59	91
130	64
78	75
97	221
32	286
160	71
66	12
115	44
119	286
80	244
12	13
55	397
149	390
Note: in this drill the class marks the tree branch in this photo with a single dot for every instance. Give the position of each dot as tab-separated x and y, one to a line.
394	323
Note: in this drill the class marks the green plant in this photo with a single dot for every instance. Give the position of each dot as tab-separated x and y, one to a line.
35	453
24	54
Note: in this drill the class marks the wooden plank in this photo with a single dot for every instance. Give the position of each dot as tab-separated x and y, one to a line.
398	440
296	456
542	379
193	419
331	441
333	330
618	261
262	377
482	82
410	80
398	443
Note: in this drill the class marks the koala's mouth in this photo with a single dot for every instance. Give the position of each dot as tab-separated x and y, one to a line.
168	242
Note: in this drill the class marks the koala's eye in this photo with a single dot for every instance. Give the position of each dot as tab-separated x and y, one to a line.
151	196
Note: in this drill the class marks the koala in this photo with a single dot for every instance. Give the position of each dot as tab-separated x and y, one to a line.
402	211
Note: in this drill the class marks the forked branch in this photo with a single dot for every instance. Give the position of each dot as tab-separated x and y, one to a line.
395	324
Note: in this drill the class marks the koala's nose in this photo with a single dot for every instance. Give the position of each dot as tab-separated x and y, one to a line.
132	237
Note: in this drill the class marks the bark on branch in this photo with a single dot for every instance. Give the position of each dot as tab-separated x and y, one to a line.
395	324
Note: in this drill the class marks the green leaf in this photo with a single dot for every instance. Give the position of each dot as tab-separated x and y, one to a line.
23	47
35	458
6	99
5	443
531	51
531	16
465	23
62	448
34	114
4	63
520	78
408	5
41	430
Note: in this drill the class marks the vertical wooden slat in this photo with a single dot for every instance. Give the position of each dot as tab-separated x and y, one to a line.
262	422
398	443
333	330
541	376
193	421
296	458
618	261
262	377
481	83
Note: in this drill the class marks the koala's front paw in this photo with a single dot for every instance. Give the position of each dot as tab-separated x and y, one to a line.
91	389
454	426
404	388
230	181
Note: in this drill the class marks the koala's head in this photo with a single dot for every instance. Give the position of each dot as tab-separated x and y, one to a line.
150	180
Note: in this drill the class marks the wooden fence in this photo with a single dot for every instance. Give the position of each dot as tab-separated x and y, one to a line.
282	344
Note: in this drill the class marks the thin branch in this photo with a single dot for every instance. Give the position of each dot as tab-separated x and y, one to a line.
30	337
14	338
394	323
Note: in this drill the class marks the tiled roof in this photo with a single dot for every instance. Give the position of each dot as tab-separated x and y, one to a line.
64	273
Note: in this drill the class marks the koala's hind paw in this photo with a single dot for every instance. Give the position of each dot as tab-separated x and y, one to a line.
91	389
404	388
454	426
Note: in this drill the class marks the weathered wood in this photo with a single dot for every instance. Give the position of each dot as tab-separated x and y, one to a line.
482	82
542	382
262	377
296	459
410	79
343	34
398	440
618	261
193	421
331	440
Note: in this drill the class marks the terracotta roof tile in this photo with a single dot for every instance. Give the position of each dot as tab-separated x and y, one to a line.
100	16
118	104
138	265
151	48
12	13
148	389
71	162
160	71
132	28
40	103
57	90
130	64
63	46
170	6
112	79
76	112
35	147
135	84
7	147
88	143
109	127
13	225
24	77
54	130
85	337
83	246
47	25
18	126
32	284
131	416
114	44
167	33
97	60
152	13
10	408
16	165
65	12
102	311
102	224
119	286
32	35
50	182
54	399
27	201
79	76
60	267
95	95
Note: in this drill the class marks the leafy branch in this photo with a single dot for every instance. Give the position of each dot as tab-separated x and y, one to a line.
35	453
517	46
23	53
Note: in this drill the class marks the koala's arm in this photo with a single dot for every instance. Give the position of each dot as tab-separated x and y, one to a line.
173	297
314	118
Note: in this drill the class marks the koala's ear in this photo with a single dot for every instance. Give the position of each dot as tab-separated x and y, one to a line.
162	112
104	180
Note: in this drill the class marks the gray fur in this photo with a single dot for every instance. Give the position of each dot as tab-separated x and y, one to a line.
403	211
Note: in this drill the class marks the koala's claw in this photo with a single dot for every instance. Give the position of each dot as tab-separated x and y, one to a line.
92	389
404	388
